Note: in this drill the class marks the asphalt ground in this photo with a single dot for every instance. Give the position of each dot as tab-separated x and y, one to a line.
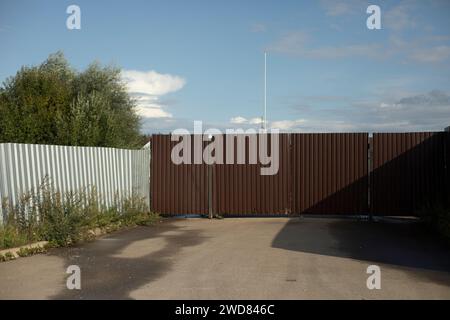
242	258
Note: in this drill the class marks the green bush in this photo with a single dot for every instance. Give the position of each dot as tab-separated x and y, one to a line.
25	252
64	219
20	226
6	257
11	236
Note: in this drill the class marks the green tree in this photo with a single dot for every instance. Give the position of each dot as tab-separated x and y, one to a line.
54	104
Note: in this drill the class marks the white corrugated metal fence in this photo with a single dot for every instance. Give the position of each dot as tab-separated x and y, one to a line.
23	168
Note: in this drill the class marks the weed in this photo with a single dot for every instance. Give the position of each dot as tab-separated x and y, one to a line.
7	257
65	219
25	252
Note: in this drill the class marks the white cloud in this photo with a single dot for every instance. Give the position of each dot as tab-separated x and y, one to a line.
287	124
290	43
433	54
427	111
257	120
355	50
149	107
338	7
398	20
238	120
296	44
147	87
242	120
400	17
421	49
164	125
343	7
413	112
385	112
152	82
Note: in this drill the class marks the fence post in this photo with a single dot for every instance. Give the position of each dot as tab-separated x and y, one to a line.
209	173
149	164
210	209
369	175
446	167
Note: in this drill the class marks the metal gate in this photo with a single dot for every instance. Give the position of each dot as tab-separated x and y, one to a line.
325	173
410	170
318	173
240	189
329	173
176	189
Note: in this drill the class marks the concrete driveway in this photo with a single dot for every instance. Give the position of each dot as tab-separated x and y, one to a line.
248	258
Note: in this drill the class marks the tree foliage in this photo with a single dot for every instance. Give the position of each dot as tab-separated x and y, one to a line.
54	104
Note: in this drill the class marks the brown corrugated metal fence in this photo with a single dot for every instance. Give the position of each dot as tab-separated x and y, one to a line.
329	172
409	171
176	189
240	189
318	173
447	169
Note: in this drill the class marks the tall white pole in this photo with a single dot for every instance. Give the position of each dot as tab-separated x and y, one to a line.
265	91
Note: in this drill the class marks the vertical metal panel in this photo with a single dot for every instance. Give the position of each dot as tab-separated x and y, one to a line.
240	189
447	167
318	173
409	171
176	189
23	168
329	173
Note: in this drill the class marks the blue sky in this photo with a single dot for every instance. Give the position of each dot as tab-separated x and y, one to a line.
203	60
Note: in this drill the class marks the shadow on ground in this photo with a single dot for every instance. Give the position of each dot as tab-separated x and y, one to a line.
106	273
403	244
